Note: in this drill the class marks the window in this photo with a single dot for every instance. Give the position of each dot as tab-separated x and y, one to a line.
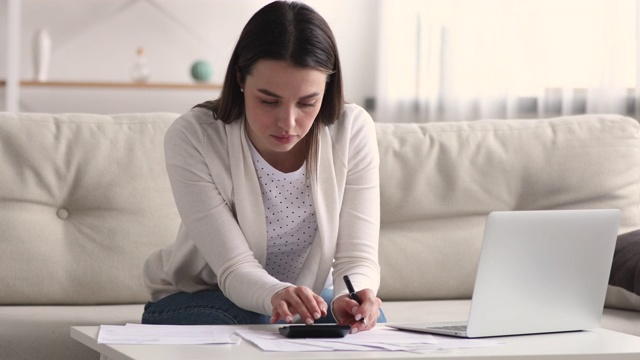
464	59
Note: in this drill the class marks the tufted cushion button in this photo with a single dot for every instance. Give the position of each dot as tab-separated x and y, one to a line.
62	213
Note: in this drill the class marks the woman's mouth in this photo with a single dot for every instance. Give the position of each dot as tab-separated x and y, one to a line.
283	139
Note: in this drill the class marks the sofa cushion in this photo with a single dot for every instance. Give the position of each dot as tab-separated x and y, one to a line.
42	332
84	200
621	320
624	281
440	180
625	271
619	298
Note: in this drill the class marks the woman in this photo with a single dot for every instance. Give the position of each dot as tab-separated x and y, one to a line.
277	185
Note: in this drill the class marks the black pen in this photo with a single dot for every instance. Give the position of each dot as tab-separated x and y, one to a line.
352	291
352	294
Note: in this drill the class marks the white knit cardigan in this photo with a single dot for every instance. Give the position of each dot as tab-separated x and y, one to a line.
222	239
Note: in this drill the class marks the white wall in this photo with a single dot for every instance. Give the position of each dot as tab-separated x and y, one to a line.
95	40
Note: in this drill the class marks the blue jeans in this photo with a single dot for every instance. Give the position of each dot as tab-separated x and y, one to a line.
211	307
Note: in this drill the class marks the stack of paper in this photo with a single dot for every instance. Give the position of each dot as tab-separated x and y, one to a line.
165	334
379	339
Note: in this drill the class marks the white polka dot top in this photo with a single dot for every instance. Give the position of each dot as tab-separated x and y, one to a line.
290	216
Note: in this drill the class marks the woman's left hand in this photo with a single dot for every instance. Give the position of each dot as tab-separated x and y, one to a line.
360	316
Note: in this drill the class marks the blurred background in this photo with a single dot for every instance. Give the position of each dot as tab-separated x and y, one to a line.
403	60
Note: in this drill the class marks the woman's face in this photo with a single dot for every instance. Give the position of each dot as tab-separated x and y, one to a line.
281	103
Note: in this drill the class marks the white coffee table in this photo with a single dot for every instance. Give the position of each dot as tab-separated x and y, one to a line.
598	344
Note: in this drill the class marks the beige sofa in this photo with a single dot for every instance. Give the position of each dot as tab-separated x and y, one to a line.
85	198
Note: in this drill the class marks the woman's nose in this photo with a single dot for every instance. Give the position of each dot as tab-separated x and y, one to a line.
287	118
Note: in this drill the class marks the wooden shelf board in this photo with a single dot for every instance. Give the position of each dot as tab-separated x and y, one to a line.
130	85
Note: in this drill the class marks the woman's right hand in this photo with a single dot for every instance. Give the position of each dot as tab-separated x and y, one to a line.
297	300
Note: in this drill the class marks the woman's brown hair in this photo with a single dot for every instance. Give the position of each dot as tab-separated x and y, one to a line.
287	31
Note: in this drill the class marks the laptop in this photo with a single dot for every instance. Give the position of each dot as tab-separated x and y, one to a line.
538	272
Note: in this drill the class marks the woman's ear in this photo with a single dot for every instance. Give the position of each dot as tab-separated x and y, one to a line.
239	79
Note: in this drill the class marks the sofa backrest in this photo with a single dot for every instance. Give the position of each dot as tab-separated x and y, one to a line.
440	180
83	200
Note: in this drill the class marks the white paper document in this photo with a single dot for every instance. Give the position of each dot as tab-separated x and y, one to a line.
166	334
379	339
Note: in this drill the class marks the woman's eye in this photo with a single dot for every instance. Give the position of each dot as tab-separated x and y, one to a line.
308	104
267	102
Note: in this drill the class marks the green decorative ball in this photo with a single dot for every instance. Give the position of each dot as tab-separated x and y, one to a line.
201	71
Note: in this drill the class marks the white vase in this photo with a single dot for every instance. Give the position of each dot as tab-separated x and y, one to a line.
140	71
41	55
